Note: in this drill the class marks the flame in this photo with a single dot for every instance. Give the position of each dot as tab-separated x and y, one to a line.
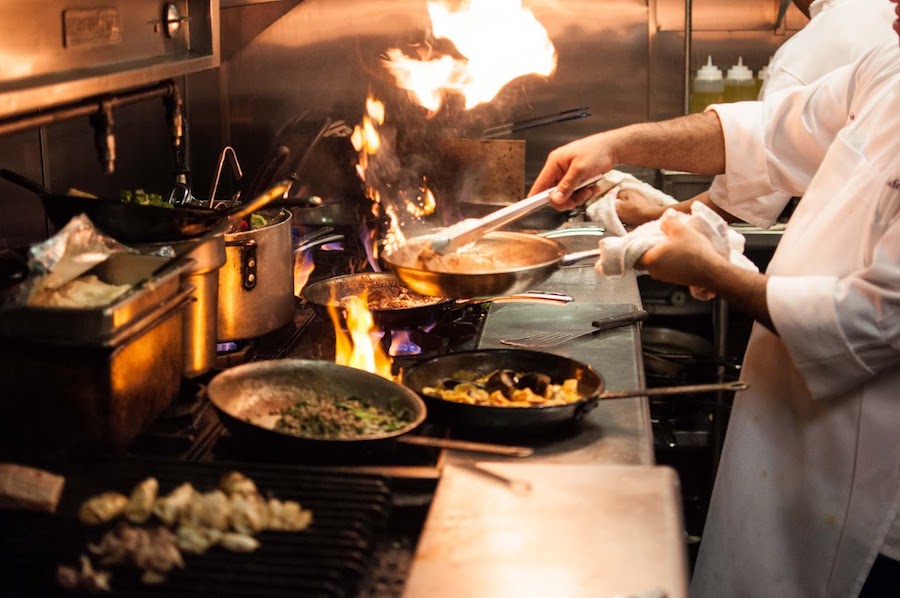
498	40
357	347
424	204
303	269
365	137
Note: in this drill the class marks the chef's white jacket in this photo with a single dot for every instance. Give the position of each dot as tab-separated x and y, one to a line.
808	486
839	32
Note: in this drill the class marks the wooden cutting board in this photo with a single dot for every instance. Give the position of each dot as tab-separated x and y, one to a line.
556	530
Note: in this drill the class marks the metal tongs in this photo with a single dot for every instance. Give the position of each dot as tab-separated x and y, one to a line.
453	237
531	123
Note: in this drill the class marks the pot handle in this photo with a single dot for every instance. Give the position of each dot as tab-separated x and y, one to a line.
248	262
465	445
571	258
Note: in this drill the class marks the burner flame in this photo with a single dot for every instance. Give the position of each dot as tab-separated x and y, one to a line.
358	346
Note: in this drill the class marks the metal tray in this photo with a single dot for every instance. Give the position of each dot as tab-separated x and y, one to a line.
62	398
96	326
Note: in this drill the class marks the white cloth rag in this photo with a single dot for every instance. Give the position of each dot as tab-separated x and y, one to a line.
603	209
618	254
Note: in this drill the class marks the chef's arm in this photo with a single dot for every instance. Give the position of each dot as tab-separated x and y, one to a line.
687	258
692	143
634	209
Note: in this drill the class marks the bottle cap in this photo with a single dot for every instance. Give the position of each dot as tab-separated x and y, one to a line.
709	71
740	72
762	73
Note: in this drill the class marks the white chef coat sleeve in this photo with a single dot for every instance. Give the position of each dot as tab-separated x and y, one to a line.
776	145
841	332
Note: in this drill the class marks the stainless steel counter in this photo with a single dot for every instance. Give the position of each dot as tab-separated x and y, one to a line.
588	514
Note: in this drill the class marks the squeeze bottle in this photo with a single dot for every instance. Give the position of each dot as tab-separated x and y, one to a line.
761	76
739	83
708	87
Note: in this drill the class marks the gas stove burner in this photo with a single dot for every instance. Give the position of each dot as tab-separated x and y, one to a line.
401	343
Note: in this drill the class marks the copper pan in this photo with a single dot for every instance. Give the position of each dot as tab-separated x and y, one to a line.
500	263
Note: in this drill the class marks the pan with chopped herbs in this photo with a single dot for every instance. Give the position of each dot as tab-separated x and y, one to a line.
294	406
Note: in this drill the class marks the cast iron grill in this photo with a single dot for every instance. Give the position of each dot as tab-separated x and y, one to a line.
328	559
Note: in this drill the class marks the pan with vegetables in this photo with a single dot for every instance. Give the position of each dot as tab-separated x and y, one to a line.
127	222
516	390
295	407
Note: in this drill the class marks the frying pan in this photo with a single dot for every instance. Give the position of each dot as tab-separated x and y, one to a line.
419	311
499	263
126	222
526	419
245	397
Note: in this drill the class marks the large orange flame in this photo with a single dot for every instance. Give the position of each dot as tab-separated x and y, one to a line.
358	346
498	40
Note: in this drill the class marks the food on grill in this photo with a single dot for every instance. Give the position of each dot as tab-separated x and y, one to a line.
153	550
29	488
159	529
140	503
102	508
83	292
504	388
316	417
85	578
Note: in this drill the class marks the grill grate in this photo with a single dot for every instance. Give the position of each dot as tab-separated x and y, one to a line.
327	559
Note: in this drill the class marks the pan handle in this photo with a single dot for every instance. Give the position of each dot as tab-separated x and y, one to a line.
23	181
674	390
465	445
577	256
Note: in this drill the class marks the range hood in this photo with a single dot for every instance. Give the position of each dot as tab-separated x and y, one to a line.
56	52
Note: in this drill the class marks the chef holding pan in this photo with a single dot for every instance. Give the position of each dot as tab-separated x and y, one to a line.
806	498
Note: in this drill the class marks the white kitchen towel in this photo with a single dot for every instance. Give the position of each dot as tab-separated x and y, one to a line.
602	207
618	254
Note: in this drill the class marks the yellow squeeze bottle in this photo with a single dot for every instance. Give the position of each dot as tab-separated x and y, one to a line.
739	83
708	87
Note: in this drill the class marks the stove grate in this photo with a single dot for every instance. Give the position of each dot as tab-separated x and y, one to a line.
328	559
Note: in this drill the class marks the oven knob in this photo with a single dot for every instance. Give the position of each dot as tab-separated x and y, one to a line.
172	19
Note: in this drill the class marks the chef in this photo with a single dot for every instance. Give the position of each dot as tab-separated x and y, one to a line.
807	494
838	33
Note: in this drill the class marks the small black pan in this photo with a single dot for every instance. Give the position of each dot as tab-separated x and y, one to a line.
125	222
246	396
525	419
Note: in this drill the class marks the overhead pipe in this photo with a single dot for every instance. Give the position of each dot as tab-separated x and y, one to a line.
99	109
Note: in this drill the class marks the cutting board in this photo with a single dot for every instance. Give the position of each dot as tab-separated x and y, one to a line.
552	530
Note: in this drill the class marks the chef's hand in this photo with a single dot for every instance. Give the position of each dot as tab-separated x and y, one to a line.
634	209
569	165
686	257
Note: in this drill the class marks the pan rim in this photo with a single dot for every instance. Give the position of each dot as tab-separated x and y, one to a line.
326	282
493	235
272	365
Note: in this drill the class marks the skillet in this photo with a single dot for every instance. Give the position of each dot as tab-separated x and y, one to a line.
246	396
525	419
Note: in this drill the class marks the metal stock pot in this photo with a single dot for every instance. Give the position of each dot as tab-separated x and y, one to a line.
256	284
